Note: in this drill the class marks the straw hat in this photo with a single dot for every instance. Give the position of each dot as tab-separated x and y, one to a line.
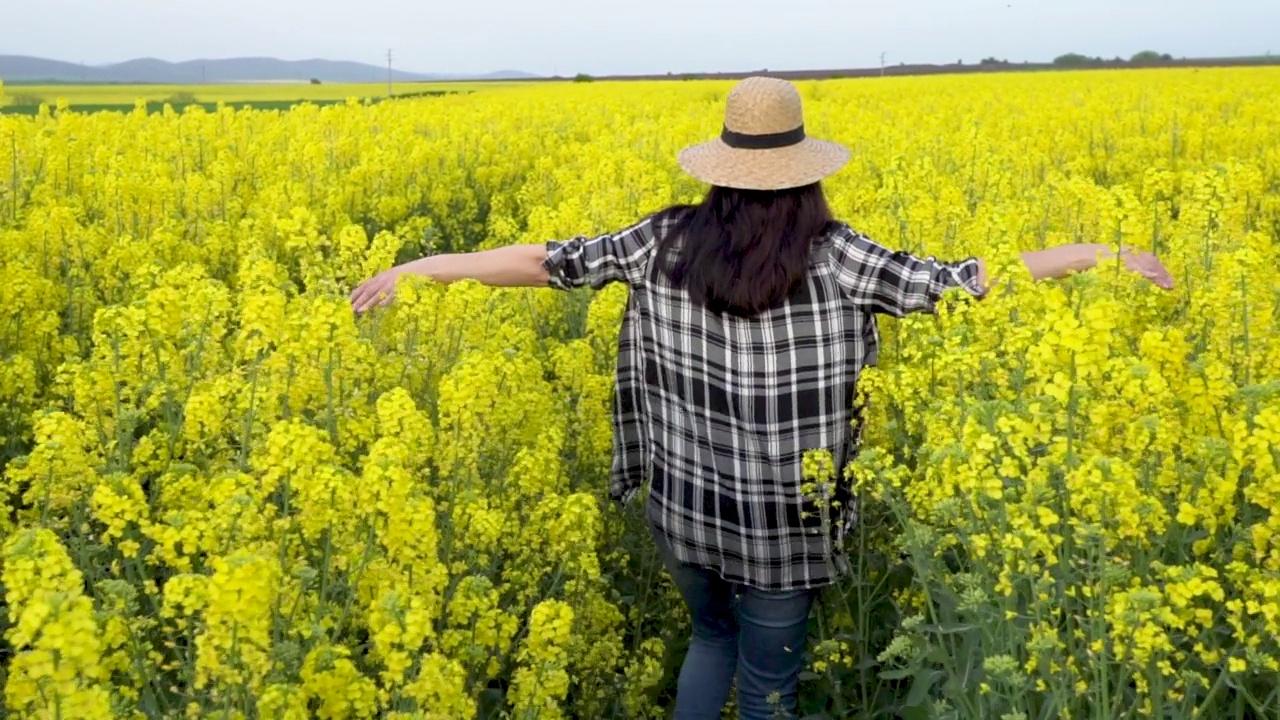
763	145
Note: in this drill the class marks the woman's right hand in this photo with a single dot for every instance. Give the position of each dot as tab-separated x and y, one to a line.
1060	261
1145	264
380	289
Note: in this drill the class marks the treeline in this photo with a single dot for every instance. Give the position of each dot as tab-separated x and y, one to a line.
1144	57
1078	60
1070	61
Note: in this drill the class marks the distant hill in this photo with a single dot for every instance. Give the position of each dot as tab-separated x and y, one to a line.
21	68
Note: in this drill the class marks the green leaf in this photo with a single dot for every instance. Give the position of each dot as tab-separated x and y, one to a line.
949	629
920	688
913	712
938	654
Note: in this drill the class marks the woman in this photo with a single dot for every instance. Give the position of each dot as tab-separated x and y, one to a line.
750	317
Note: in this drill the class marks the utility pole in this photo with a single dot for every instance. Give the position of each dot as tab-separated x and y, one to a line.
882	64
388	72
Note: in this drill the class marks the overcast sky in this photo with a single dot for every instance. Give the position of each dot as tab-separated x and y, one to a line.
637	36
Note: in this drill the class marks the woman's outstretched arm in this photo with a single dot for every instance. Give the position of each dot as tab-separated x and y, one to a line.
1063	260
562	264
511	266
897	283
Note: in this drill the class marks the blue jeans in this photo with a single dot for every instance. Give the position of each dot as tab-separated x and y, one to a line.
757	634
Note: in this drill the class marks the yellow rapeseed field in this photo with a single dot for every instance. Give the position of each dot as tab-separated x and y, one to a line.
225	496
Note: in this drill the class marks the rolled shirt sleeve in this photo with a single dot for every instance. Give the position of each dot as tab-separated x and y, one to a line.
594	262
895	282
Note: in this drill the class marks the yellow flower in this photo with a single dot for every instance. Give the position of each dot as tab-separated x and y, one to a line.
332	680
233	650
56	669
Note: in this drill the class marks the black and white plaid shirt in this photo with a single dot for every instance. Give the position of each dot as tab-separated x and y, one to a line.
716	412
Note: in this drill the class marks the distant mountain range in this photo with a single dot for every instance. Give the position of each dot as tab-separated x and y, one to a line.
21	68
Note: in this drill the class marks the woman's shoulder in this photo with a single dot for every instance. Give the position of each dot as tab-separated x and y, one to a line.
840	228
846	237
669	216
836	232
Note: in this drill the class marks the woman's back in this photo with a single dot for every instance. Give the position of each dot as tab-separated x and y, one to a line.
717	410
734	403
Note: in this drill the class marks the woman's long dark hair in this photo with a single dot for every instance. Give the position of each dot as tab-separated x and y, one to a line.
743	251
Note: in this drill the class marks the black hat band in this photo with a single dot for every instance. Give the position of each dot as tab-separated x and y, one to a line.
762	142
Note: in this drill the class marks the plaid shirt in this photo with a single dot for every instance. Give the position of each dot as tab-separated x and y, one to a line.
716	412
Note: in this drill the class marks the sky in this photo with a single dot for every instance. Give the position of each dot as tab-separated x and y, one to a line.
600	37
